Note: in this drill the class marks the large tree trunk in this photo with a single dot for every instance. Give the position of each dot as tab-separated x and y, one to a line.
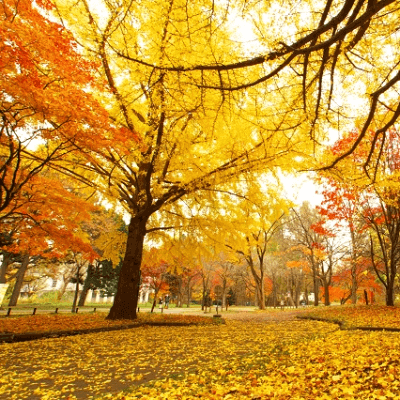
19	281
126	298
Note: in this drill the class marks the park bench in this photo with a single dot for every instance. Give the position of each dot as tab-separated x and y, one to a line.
35	309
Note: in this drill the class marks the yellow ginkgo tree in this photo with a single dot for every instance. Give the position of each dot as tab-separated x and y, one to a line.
176	142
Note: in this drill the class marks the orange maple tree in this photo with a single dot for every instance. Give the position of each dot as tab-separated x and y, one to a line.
45	96
45	221
370	198
341	207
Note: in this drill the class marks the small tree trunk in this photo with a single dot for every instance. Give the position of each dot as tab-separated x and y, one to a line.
316	291
19	281
274	292
154	301
262	294
366	297
7	258
326	293
86	285
76	291
179	300
203	296
354	283
189	294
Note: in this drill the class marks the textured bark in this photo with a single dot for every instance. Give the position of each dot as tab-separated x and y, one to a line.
126	298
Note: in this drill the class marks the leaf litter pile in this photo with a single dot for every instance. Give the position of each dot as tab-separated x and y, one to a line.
242	359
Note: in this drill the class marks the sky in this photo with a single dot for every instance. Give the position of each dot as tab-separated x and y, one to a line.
300	188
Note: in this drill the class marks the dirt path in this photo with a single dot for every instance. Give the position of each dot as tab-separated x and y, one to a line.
256	316
265	317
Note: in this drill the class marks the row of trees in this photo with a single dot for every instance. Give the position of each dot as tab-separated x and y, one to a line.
333	251
347	244
161	109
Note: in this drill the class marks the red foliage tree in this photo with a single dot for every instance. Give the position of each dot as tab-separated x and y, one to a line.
154	272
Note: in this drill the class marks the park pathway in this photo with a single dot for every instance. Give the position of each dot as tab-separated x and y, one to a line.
265	317
246	314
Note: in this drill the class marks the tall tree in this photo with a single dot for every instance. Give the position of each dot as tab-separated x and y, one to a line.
341	206
259	217
384	220
310	243
178	142
377	198
194	110
224	271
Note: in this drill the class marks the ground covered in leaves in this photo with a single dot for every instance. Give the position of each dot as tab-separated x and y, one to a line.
353	316
257	355
53	323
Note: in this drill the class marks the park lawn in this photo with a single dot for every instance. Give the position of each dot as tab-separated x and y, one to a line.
375	316
49	323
